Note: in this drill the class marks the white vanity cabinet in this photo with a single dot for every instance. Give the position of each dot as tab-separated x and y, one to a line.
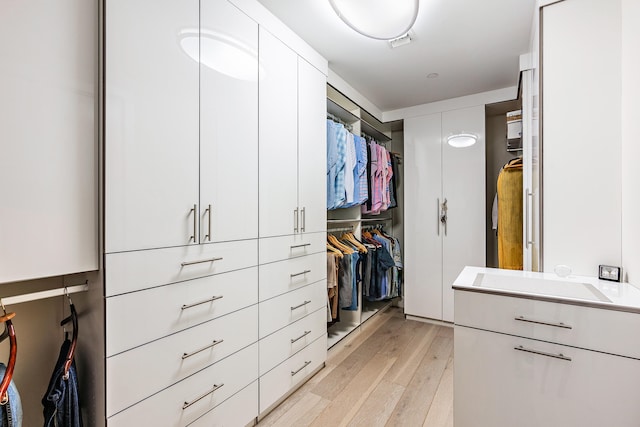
534	360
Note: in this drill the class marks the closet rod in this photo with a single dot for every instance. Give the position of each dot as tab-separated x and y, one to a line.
17	299
377	219
337	120
336	230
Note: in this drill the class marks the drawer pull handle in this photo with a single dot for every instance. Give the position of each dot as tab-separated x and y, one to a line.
215	343
538	322
300	305
300	337
300	246
307	363
543	353
300	274
202	261
215	387
185	306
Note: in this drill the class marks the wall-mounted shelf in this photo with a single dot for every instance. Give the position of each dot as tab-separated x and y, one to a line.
340	112
373	132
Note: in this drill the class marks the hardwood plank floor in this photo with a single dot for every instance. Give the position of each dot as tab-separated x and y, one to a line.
393	372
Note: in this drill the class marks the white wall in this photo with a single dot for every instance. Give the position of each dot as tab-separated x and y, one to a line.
630	140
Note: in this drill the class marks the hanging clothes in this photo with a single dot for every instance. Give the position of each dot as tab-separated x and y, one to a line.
10	412
61	401
510	216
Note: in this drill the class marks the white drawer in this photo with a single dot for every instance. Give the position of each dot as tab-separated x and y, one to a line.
591	328
286	342
132	271
281	311
239	410
143	371
281	277
167	408
140	317
290	373
286	247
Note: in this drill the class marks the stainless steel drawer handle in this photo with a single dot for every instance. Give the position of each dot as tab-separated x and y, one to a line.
543	353
300	305
301	273
539	322
306	363
202	261
300	337
197	399
185	306
300	246
206	347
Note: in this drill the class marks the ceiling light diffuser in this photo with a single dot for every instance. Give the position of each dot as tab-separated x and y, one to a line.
377	19
462	140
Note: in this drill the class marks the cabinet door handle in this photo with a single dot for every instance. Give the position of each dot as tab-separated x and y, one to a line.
208	212
195	304
202	261
300	246
300	274
295	220
300	305
300	337
528	240
303	213
215	343
194	210
539	322
543	353
306	363
443	215
215	387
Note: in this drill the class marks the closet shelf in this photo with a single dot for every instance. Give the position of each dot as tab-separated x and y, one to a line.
377	219
342	221
373	132
340	112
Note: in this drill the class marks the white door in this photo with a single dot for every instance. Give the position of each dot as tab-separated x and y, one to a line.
151	130
228	123
423	190
278	137
463	186
312	148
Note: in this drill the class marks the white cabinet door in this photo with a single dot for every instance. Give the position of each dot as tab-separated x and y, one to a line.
423	188
228	123
48	139
498	384
278	134
312	148
463	185
151	129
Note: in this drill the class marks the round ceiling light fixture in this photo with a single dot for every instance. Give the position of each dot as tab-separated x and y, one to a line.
377	19
462	140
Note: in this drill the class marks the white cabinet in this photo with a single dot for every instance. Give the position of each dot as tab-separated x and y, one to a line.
181	138
292	142
504	380
48	139
437	174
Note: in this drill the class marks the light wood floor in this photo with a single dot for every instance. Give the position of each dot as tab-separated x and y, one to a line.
393	372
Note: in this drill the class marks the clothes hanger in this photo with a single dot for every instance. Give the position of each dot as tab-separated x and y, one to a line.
351	238
13	352
73	318
334	251
335	242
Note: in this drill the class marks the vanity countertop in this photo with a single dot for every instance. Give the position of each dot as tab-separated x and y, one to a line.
573	289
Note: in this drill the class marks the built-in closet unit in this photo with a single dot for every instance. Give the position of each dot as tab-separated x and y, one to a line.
444	208
206	162
358	121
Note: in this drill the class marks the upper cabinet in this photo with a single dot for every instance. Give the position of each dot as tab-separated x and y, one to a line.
181	124
48	139
292	142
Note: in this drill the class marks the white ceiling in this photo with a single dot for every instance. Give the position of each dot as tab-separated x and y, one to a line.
474	46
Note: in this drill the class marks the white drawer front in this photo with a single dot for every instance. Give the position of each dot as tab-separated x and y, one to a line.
591	328
239	410
284	377
286	342
281	311
132	271
286	247
281	277
167	408
140	317
143	371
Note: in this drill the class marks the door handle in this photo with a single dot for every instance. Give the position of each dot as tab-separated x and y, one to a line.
443	215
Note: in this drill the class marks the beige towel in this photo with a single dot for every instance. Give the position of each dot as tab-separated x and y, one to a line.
510	217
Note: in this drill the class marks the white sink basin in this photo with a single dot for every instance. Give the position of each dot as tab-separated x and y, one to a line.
556	288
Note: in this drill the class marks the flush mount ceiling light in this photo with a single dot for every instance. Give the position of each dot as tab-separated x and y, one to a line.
377	19
462	140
